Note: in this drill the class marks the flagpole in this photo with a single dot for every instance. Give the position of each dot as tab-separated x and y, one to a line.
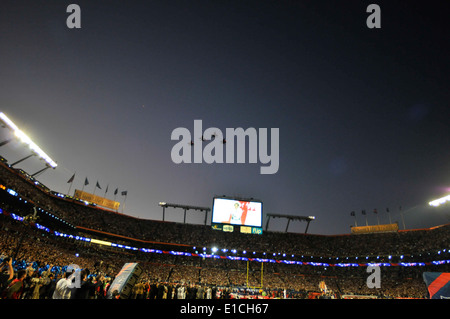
125	193
401	214
124	202
376	213
115	194
364	213
71	182
70	186
86	182
354	215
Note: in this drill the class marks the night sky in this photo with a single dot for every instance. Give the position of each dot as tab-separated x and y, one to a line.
363	114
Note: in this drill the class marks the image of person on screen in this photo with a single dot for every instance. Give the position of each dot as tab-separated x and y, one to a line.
239	214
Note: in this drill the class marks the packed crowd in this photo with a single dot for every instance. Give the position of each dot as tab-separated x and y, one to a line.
79	214
35	262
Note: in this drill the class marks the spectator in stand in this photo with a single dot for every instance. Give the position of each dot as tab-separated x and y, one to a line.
15	289
85	288
63	287
6	273
48	287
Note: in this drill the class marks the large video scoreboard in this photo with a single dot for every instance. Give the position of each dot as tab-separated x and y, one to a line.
232	214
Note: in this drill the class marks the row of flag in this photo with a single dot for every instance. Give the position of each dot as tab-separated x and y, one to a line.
375	211
97	185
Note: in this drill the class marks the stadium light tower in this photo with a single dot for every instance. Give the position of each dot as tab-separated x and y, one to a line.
440	201
36	150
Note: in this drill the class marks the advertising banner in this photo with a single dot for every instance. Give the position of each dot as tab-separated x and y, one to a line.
375	229
108	203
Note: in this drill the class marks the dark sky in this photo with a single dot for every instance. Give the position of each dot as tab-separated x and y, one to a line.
362	113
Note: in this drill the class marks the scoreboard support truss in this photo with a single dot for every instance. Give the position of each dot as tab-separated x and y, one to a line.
308	219
164	205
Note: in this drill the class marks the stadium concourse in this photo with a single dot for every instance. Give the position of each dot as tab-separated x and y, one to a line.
44	232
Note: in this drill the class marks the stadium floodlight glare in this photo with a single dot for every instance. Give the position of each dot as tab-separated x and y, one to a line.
440	201
26	140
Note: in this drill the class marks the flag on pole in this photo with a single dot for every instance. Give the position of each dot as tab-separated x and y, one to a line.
354	215
95	188
375	211
86	182
124	193
71	182
364	213
71	179
389	213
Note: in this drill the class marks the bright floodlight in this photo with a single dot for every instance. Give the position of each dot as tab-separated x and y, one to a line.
440	201
25	139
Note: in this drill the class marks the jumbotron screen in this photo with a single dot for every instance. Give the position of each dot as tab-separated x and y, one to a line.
237	212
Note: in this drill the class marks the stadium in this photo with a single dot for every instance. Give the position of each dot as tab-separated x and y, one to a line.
47	234
253	118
